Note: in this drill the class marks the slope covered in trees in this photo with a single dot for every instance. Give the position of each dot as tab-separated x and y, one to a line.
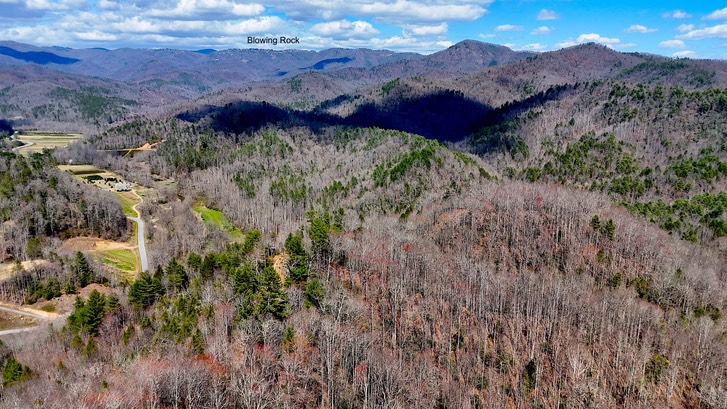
563	248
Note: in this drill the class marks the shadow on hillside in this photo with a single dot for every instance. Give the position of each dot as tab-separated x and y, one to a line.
445	116
247	116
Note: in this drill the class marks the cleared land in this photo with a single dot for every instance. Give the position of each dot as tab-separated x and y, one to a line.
124	257
14	321
128	201
217	218
36	142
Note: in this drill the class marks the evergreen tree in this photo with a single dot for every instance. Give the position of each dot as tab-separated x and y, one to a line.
198	342
112	302
92	313
244	282
596	222
89	349
70	288
318	232
14	371
177	274
208	266
145	290
81	270
159	273
298	258
194	261
271	297
294	247
609	229
314	294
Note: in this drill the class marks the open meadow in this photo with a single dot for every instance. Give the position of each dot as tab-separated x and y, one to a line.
36	142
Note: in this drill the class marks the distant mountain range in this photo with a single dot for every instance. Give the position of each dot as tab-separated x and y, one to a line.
102	86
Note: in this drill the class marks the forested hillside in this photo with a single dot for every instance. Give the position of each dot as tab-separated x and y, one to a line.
546	232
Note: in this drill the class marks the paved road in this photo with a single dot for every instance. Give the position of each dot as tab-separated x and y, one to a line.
140	235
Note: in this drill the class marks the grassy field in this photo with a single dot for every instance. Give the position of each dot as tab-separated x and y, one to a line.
80	169
128	200
218	219
36	142
121	259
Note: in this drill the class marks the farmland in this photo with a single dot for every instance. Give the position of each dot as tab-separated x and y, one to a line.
37	142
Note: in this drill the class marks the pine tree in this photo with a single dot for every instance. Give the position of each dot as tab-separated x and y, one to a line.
314	293
177	274
271	297
298	258
14	371
244	282
93	312
145	290
81	270
112	302
198	342
318	232
194	261
207	267
159	273
89	349
609	229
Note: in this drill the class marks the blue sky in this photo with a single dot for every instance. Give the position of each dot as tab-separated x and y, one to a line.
696	29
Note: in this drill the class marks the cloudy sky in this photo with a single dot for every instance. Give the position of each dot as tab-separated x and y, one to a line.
696	28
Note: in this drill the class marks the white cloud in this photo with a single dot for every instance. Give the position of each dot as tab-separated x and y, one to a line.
720	14
345	28
595	38
531	47
182	28
685	53
207	10
718	31
96	36
486	36
394	11
107	5
54	6
508	27
685	27
638	28
396	43
546	14
427	30
672	44
676	14
541	30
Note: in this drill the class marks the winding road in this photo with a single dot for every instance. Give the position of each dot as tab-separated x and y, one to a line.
25	312
140	234
24	145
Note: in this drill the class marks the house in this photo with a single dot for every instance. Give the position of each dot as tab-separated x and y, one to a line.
122	186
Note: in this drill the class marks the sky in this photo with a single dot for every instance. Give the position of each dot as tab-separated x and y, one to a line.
694	29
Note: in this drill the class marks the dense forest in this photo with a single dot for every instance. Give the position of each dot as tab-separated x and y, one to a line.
565	248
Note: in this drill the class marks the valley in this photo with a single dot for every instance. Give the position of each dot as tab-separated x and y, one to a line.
477	227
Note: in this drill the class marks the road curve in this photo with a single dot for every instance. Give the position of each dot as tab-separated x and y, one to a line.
18	311
140	235
24	312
